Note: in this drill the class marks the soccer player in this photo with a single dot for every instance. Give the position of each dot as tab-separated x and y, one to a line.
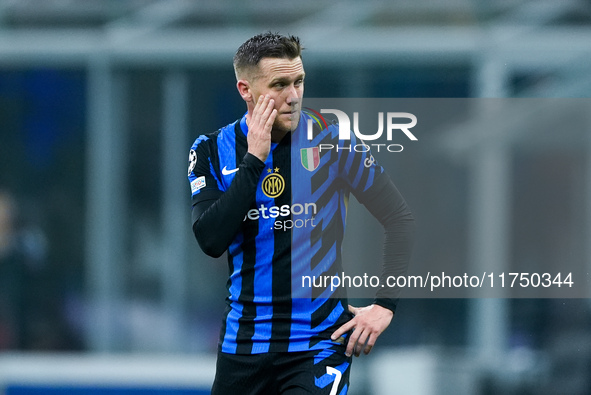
263	192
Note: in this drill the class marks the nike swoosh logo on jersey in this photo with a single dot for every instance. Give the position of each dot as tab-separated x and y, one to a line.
226	172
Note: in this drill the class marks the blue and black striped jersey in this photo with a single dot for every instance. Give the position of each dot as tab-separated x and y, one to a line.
283	219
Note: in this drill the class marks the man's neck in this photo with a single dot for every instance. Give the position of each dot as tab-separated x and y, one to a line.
278	135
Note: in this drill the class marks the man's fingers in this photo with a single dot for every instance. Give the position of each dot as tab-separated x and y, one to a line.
260	125
368	324
352	343
342	330
261	114
271	119
267	111
360	343
259	102
262	104
364	342
257	108
370	343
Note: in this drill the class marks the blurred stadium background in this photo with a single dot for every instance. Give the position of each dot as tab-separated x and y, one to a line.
102	287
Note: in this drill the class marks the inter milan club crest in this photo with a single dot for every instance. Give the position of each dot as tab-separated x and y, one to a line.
273	184
310	158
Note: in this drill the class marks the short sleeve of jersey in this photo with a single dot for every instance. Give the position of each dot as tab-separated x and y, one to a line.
203	179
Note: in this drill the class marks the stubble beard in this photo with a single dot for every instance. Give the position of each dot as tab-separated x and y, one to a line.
287	126
280	129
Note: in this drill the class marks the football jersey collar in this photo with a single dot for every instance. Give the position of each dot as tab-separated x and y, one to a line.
243	124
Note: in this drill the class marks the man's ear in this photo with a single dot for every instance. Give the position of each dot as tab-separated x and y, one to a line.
243	87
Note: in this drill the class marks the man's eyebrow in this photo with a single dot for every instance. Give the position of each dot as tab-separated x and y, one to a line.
286	78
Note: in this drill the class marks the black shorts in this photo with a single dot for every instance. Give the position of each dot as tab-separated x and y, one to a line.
323	372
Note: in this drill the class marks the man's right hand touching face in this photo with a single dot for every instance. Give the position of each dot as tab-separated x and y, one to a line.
260	124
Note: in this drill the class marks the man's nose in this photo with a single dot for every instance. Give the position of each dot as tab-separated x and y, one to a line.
292	95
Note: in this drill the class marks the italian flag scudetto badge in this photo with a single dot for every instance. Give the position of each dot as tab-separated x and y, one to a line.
310	158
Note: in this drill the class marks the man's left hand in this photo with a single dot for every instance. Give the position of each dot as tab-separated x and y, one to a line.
369	323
